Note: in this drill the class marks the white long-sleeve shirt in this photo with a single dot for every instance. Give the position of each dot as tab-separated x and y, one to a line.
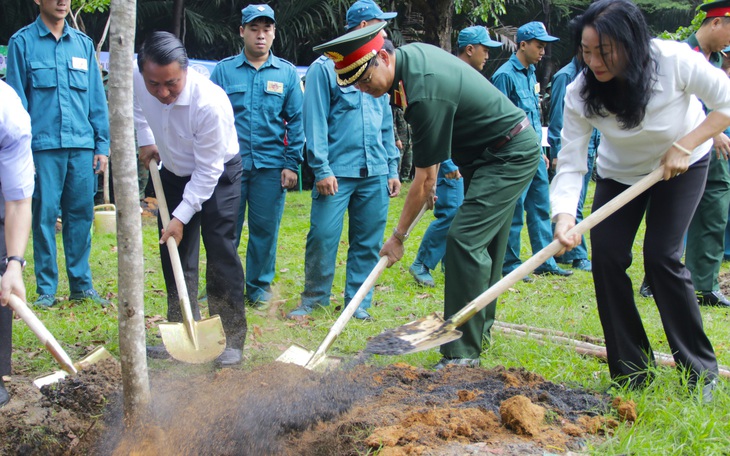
16	159
195	135
626	156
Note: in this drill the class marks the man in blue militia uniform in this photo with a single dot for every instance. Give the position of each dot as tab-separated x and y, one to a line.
53	69
16	189
351	149
267	100
516	79
578	257
473	48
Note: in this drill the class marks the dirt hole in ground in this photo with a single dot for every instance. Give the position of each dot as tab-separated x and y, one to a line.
283	409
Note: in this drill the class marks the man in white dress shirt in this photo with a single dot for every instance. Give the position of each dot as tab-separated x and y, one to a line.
186	122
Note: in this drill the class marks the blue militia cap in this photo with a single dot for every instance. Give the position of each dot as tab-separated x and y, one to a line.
365	10
476	34
252	12
534	31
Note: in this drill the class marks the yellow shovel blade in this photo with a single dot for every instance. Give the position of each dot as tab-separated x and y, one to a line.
96	355
300	356
209	334
296	354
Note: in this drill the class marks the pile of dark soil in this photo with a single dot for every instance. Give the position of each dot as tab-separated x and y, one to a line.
281	409
59	418
458	411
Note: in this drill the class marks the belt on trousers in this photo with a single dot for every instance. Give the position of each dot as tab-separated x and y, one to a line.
512	133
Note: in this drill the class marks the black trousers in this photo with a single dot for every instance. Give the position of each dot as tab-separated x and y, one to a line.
216	221
669	207
6	314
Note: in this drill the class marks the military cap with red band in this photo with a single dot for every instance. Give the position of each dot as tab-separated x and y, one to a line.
720	8
353	51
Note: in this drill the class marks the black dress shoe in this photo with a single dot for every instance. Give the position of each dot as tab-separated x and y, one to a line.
556	272
645	290
229	358
708	391
4	395
157	352
712	298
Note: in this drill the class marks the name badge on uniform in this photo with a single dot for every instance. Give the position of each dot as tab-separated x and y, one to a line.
80	63
537	88
274	87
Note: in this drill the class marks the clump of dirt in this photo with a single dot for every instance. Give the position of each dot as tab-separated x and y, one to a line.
284	409
88	392
522	416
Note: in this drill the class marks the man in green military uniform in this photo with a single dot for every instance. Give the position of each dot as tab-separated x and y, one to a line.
454	112
706	234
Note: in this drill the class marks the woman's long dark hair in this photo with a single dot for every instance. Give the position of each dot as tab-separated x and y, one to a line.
627	95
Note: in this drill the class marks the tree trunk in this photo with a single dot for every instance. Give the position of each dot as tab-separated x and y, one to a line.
178	10
437	17
135	381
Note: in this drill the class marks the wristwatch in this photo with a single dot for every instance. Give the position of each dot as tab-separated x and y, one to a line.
402	237
20	260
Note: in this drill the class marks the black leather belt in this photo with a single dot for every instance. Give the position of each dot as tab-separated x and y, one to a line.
512	133
363	172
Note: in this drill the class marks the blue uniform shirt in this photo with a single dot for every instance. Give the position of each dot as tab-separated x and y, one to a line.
347	131
559	83
268	108
520	86
59	83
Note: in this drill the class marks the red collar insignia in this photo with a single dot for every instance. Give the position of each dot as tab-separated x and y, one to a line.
399	96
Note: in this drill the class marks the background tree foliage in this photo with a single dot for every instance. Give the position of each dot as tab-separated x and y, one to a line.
209	28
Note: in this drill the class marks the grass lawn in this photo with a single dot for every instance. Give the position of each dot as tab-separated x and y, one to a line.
669	422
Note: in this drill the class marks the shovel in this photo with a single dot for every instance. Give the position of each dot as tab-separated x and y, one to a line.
433	331
52	345
301	356
190	341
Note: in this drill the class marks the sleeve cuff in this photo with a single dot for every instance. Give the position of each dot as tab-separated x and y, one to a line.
449	166
184	212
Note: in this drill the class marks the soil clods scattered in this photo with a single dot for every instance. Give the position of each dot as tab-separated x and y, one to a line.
284	409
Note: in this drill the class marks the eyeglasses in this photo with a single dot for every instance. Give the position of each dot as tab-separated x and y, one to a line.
366	80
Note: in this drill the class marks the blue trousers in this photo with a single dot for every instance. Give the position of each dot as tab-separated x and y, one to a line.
262	193
64	179
366	201
535	201
450	193
580	252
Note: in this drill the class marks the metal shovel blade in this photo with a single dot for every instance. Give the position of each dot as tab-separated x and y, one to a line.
418	335
209	335
96	355
296	354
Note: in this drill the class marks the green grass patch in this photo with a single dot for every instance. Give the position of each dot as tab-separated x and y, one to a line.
670	421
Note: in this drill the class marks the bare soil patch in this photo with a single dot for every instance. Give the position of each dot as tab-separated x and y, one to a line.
281	409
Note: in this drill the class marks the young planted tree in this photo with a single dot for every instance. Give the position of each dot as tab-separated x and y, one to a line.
135	381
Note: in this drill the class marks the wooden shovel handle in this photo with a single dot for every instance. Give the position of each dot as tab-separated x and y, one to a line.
45	336
356	300
182	289
554	247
